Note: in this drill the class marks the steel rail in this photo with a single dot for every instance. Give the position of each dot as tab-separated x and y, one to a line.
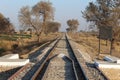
73	66
42	65
85	77
23	69
14	76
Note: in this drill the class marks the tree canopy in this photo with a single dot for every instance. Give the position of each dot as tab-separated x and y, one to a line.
5	26
36	16
73	25
104	13
53	26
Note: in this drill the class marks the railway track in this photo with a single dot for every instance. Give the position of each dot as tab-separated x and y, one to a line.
6	71
58	63
32	67
59	69
53	67
90	71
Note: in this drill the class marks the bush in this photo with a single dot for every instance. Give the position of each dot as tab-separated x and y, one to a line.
2	50
15	46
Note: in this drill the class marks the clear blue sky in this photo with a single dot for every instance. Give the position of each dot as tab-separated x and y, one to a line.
64	10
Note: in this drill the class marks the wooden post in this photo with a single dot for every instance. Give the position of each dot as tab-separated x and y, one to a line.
112	40
111	46
99	44
106	42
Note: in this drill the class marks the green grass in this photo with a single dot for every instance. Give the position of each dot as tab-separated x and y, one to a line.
14	37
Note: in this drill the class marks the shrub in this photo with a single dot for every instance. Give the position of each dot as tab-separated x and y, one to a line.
1	51
15	46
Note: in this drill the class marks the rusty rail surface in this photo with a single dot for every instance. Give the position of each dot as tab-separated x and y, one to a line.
19	71
73	65
83	73
42	65
82	67
46	58
24	68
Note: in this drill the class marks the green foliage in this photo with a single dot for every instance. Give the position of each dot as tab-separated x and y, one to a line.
14	37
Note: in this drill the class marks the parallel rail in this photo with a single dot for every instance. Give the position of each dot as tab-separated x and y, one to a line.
73	66
74	63
86	76
83	73
40	65
24	70
44	61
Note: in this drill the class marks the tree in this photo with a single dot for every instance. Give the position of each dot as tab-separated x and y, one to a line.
68	29
73	25
104	13
36	16
29	29
5	26
52	26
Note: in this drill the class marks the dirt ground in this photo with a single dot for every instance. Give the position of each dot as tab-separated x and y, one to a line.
90	43
113	74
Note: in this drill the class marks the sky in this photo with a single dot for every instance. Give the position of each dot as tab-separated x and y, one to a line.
64	10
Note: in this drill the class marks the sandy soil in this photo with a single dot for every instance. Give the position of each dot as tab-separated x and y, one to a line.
113	74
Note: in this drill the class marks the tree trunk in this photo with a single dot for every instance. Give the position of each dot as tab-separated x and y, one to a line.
106	42
38	36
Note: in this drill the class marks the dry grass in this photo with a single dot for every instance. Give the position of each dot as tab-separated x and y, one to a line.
113	74
7	45
91	44
44	38
50	36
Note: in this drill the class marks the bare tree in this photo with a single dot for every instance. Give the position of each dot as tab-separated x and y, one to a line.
103	13
36	16
73	25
